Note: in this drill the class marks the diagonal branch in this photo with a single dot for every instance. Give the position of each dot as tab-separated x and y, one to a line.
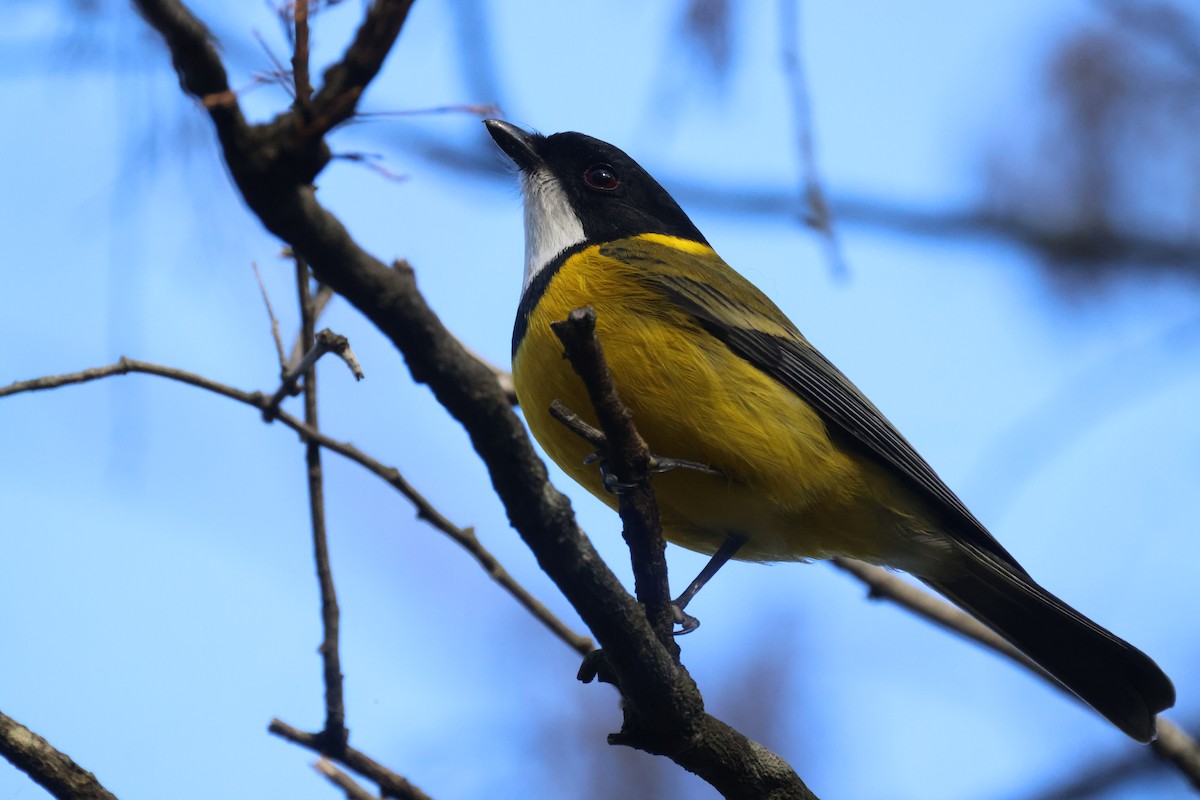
340	779
629	457
675	725
884	585
1180	748
817	215
1173	743
345	81
334	732
390	783
426	512
279	191
300	54
51	769
324	342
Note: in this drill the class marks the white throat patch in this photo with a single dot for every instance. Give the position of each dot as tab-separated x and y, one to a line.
551	225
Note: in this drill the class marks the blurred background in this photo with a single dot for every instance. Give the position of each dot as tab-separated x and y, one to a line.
1009	266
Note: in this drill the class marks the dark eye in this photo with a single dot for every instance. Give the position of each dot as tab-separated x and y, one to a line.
602	177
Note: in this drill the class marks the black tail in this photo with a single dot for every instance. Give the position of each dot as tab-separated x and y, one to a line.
1107	673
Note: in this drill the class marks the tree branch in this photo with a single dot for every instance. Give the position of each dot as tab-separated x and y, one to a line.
816	214
884	585
426	512
300	53
1181	749
323	343
334	732
626	453
390	783
51	769
668	720
345	81
1172	743
343	781
1066	245
278	190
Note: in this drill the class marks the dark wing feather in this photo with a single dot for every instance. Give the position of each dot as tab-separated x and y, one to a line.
756	330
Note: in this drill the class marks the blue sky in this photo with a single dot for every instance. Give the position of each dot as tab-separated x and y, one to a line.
160	606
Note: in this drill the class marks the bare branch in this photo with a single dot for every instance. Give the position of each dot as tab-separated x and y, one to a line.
1181	749
426	512
124	366
275	177
274	322
324	342
343	781
1172	742
278	74
390	783
816	214
666	718
575	424
49	768
1145	249
344	82
482	110
629	458
334	733
320	302
884	585
303	84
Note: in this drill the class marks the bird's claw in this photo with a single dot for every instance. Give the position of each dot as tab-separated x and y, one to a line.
686	622
659	465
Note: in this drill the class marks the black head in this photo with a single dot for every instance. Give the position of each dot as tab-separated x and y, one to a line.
609	195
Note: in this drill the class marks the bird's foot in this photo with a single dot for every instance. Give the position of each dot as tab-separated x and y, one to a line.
658	465
686	622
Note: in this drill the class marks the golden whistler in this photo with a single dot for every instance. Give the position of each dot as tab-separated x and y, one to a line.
803	465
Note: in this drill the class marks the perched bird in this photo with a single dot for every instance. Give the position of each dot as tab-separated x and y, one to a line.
803	465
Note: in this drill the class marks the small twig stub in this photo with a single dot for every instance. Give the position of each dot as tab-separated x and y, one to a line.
628	457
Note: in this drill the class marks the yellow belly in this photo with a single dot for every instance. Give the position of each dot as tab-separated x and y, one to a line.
784	484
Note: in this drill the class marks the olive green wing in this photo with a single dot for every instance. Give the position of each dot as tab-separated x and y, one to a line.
733	310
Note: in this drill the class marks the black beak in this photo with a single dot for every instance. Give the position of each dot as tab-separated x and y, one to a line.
516	143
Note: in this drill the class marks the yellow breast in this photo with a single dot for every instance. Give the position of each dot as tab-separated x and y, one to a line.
784	483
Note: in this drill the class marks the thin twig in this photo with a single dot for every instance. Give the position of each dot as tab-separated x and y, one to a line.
324	343
274	321
474	109
390	783
48	767
575	424
274	166
629	458
334	732
1180	748
372	161
280	74
1081	245
320	302
426	512
1172	743
343	781
816	208
344	82
884	585
303	85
